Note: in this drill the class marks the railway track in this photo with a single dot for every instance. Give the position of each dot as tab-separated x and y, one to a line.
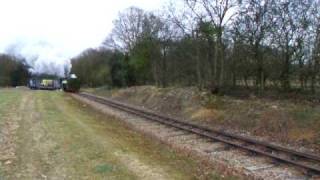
309	163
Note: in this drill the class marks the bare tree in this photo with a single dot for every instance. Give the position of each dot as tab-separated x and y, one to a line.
315	62
254	23
219	13
284	37
211	43
128	27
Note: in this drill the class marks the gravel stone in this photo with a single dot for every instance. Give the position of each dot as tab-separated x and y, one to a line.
227	160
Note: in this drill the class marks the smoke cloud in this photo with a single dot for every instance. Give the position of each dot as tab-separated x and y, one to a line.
41	56
48	33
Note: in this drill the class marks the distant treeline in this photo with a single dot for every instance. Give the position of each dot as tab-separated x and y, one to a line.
13	71
217	45
98	67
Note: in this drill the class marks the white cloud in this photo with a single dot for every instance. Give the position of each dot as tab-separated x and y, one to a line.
49	32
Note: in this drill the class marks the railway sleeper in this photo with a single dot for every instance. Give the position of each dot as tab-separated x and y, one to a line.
229	141
177	135
194	138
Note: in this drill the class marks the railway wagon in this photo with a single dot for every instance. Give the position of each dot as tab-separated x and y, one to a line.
44	84
34	83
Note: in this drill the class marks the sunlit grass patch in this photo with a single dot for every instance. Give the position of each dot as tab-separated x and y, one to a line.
306	116
215	102
103	168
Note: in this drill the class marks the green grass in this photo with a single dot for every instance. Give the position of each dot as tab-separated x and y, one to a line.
61	138
103	168
306	116
8	100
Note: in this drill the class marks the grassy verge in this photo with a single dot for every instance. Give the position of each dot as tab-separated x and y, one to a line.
9	100
60	138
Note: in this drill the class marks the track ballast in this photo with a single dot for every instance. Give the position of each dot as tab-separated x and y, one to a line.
308	162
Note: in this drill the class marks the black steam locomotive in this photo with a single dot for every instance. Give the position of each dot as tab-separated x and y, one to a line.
71	84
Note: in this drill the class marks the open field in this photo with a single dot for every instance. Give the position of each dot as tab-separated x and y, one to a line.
49	135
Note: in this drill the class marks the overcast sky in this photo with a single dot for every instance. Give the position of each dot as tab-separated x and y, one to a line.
49	32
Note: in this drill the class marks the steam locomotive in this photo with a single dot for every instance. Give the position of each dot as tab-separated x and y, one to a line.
71	84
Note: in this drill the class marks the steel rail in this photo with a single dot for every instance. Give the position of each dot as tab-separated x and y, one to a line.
216	135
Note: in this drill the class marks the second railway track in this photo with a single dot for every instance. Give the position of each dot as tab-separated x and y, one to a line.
306	161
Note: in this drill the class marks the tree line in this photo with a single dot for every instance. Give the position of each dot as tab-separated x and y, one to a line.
14	71
212	44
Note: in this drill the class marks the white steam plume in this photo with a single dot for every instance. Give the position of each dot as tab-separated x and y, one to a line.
41	56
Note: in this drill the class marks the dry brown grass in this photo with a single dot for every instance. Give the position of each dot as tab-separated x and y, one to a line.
283	121
206	115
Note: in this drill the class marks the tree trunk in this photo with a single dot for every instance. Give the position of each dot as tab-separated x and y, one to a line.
246	81
211	60
313	82
216	57
234	79
301	76
286	72
260	68
199	77
220	83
